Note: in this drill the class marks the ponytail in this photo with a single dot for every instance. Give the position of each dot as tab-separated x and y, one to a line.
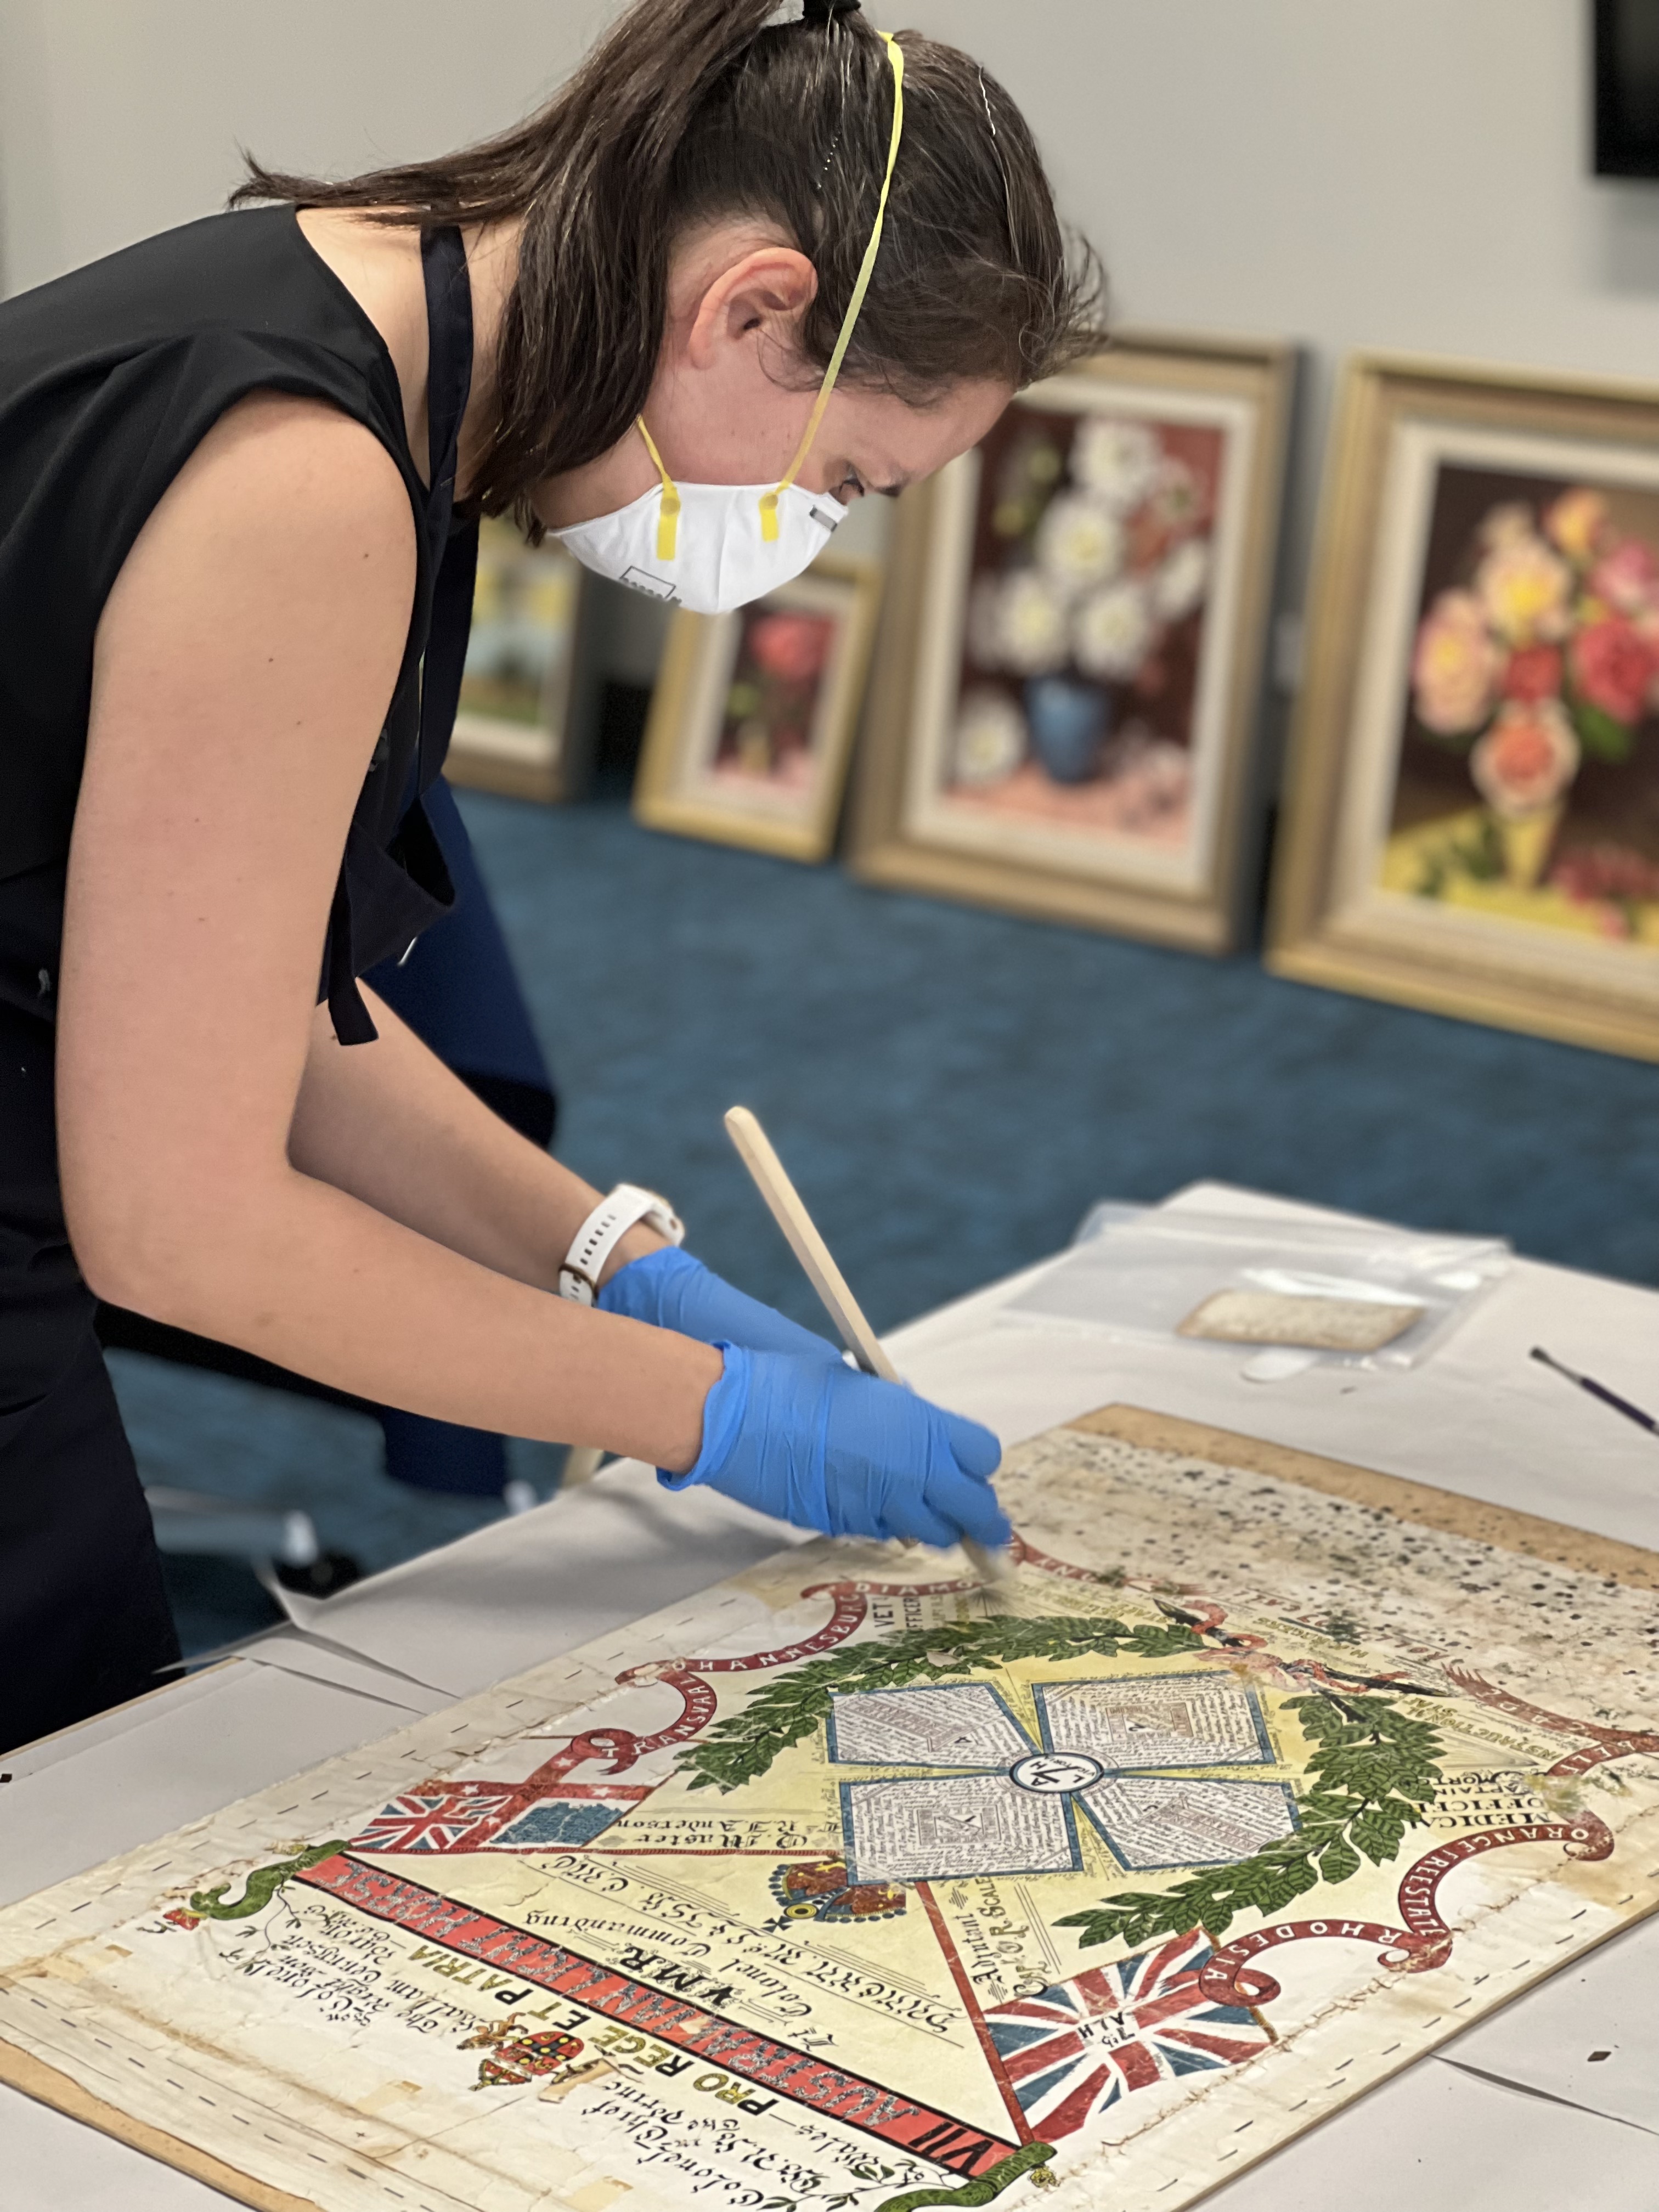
689	111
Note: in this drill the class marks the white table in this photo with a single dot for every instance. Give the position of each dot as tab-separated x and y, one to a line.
1514	2112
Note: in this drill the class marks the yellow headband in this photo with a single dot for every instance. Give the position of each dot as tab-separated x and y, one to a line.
669	513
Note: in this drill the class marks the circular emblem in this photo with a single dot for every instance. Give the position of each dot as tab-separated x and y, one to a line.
1052	1772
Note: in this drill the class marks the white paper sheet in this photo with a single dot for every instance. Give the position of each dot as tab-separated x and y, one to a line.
294	1652
108	1726
181	1754
1608	2003
529	1587
1437	2139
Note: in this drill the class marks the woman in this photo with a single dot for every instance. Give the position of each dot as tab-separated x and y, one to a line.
741	271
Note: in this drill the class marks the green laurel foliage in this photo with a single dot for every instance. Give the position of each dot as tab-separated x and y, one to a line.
1375	1772
741	1748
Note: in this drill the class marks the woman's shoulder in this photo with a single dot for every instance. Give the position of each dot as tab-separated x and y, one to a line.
290	462
235	284
112	378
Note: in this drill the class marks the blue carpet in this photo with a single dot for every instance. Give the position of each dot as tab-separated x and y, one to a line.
950	1090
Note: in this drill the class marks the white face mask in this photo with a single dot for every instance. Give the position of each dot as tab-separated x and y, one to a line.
714	547
718	558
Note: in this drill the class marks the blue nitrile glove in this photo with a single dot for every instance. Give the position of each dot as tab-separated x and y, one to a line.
827	1448
671	1289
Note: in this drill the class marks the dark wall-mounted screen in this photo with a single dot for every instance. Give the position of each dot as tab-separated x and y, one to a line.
1626	88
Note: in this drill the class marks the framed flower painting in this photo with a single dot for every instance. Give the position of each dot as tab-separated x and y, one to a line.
754	714
1472	819
514	728
1071	667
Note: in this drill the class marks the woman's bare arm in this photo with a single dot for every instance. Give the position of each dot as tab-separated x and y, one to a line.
390	1123
244	665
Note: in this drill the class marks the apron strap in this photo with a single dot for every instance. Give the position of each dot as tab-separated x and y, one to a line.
453	549
353	1022
451	561
445	650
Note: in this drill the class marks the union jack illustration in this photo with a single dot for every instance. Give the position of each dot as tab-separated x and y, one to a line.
436	1820
1077	2047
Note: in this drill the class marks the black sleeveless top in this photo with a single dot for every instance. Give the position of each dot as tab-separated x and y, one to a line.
109	379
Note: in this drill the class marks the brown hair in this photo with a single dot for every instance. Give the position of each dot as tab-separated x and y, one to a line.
693	110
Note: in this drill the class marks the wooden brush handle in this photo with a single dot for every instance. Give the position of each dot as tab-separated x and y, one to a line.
772	1180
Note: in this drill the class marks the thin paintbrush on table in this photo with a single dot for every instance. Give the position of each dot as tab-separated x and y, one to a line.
1597	1391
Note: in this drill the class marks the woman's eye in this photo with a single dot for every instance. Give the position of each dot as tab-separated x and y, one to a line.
850	487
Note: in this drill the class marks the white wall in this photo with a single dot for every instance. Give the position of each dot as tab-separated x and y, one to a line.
1406	173
119	118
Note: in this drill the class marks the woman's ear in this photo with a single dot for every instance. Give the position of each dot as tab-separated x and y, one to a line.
767	290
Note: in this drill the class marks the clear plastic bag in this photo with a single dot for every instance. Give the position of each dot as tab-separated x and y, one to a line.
1139	1272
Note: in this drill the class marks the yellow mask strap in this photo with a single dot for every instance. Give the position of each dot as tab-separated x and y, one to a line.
668	515
769	506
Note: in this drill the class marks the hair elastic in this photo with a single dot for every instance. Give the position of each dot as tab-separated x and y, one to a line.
808	11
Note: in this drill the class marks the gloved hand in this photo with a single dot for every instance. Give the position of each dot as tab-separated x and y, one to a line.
823	1446
671	1289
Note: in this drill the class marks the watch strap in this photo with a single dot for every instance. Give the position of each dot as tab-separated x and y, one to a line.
604	1229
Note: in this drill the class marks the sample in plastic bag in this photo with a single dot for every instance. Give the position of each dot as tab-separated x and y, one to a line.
1363	1296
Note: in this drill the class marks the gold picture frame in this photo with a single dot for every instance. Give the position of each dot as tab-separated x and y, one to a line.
1073	652
1472	818
754	714
516	728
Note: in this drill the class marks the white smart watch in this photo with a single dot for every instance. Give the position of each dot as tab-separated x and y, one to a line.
598	1236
